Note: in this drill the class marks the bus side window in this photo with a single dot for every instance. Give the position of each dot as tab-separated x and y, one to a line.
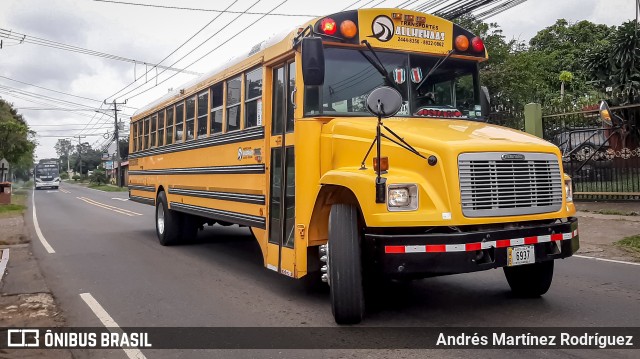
179	122
161	128
253	99
134	134
191	115
139	139
216	108
169	125
154	121
233	103
146	133
203	114
290	89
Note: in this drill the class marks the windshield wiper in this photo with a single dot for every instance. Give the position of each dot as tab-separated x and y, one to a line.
433	69
378	65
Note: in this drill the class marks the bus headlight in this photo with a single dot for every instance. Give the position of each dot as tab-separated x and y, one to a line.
568	189
402	197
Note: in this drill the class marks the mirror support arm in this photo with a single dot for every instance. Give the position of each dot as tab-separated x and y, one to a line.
381	183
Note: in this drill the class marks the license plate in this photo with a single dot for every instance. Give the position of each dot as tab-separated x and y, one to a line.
520	255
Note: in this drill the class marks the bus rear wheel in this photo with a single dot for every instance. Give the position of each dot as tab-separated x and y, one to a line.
530	280
345	265
167	222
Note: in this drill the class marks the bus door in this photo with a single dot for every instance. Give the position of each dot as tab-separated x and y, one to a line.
280	247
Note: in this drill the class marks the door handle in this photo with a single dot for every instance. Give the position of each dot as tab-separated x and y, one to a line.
293	97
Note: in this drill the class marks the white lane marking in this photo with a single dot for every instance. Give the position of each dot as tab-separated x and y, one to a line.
3	262
120	199
607	260
109	323
64	190
55	191
44	242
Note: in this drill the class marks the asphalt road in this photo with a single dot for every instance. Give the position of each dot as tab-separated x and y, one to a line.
113	254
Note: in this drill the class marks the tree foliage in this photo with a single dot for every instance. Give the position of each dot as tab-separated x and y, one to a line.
17	141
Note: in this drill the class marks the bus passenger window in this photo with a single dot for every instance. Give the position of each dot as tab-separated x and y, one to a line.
146	133
170	125
154	121
292	85
203	111
233	104
161	128
191	115
134	136
253	99
179	122
216	108
139	139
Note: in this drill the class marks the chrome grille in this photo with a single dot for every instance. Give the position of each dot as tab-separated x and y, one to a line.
508	184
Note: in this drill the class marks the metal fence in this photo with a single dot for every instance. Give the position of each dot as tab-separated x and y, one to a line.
603	161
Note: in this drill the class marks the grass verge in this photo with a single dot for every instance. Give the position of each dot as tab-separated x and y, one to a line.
632	242
17	205
615	212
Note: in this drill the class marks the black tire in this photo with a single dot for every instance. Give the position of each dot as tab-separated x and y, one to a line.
169	232
530	280
345	265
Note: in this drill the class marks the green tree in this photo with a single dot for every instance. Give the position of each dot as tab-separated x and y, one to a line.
98	176
17	141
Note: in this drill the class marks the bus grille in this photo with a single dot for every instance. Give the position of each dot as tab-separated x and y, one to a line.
509	184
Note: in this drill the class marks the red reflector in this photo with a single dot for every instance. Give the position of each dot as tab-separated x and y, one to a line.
436	248
328	26
556	237
503	243
477	44
394	249
473	246
530	240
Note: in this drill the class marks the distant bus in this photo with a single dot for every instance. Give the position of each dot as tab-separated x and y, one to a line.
280	140
46	175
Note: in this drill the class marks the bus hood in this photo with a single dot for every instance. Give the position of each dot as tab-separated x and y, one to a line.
440	136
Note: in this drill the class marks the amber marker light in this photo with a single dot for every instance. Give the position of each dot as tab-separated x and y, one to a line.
462	43
396	16
408	18
348	29
384	163
328	26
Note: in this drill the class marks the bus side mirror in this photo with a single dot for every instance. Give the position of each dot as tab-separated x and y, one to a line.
312	61
485	101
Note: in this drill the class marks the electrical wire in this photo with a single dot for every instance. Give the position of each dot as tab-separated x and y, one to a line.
34	40
200	9
215	48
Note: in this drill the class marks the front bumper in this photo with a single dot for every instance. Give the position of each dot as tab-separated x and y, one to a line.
426	255
47	184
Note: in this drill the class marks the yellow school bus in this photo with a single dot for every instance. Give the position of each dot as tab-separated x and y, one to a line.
284	140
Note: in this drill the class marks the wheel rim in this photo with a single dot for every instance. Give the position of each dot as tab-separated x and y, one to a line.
160	219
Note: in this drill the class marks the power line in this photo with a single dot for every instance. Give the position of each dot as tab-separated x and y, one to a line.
29	39
44	88
200	9
215	48
174	51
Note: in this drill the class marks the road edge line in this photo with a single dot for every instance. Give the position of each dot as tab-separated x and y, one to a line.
607	260
44	242
109	323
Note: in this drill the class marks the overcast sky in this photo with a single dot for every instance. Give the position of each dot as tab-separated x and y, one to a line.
150	34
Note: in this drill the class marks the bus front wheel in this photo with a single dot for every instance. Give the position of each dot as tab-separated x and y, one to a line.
344	265
167	222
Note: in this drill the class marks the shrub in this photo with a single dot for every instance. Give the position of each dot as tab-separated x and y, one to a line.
75	177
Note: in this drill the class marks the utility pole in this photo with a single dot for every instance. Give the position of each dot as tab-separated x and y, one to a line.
79	151
116	135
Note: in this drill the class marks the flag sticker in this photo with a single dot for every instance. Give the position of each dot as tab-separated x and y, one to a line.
400	76
416	75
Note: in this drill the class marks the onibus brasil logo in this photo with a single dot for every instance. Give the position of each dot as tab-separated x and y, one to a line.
382	28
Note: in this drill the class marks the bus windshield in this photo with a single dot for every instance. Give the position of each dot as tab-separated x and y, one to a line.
47	171
451	91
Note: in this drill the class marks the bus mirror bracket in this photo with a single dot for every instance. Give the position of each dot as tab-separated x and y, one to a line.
312	61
